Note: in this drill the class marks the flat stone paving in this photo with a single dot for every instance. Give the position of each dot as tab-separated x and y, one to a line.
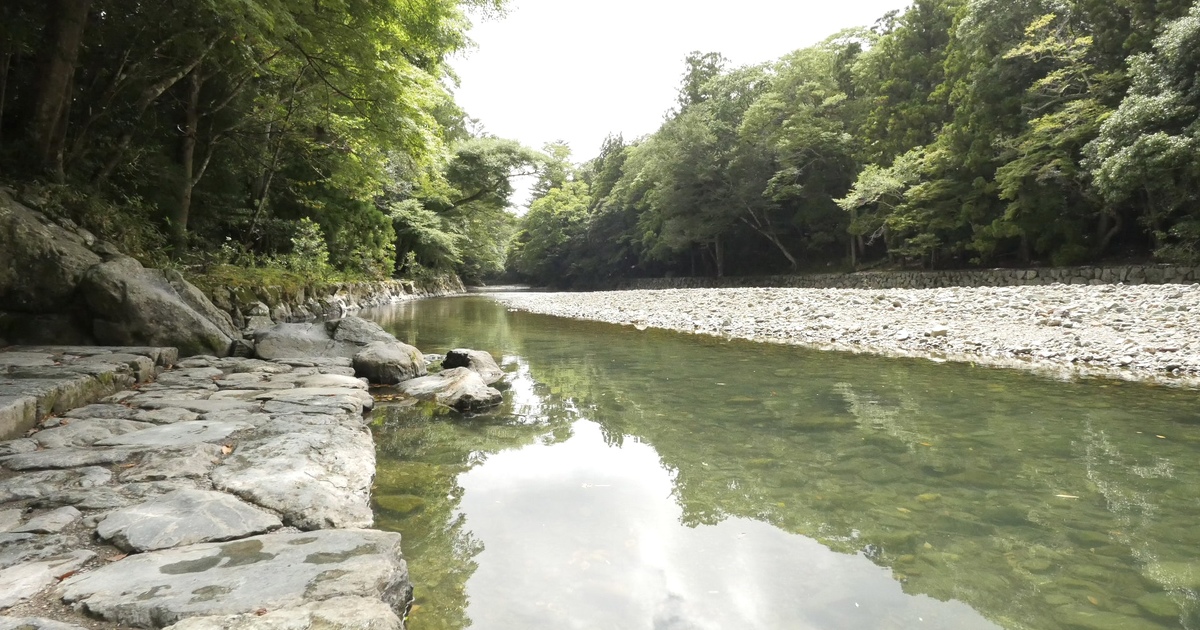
226	493
36	381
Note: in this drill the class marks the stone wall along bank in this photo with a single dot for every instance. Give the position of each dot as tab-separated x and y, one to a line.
1125	274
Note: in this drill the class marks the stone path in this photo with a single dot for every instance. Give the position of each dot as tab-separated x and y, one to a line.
38	381
226	493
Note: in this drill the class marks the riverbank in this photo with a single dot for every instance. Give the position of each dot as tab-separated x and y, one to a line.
1137	333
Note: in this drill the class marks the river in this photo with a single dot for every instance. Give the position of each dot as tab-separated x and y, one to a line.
660	480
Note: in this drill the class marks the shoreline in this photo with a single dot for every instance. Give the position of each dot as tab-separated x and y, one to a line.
1143	333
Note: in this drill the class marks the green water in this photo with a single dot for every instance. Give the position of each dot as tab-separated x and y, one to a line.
645	479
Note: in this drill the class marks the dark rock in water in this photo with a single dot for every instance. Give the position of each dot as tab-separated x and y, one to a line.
459	388
477	361
389	363
132	305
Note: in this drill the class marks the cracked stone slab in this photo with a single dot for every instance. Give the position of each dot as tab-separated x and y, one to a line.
184	517
178	434
86	432
10	519
271	571
18	549
66	458
35	485
22	445
170	415
35	623
51	522
193	461
102	410
198	406
338	613
353	401
23	581
317	479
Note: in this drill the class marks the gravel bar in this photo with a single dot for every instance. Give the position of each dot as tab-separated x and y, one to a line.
1138	333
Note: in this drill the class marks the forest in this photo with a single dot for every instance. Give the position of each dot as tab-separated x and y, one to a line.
956	133
319	139
322	139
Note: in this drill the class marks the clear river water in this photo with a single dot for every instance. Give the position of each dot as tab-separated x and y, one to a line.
657	480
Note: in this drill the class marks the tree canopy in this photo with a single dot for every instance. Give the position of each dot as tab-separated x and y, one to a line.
955	133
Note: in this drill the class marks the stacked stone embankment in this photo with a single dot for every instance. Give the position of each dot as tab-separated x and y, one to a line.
1145	332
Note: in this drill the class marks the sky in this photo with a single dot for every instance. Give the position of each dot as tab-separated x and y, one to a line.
577	71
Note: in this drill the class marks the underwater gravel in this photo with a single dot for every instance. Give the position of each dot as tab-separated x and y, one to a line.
1143	332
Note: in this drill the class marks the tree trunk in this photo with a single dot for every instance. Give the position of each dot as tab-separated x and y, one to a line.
5	64
187	155
147	98
63	38
1107	232
720	257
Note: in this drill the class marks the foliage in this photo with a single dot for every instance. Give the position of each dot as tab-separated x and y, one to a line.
255	121
954	133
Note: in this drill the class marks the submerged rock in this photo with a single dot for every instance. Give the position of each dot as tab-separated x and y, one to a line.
459	388
271	572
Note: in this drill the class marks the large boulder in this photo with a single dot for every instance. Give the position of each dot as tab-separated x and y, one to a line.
41	264
377	355
132	305
459	388
389	363
477	361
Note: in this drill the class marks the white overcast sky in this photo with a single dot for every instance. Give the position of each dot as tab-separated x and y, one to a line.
577	71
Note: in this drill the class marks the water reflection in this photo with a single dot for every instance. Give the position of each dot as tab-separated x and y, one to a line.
631	473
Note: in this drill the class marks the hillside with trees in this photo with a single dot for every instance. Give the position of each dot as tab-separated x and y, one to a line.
317	138
957	133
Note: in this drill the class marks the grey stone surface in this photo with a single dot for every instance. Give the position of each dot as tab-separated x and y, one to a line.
284	341
101	410
35	623
337	613
86	432
389	362
166	416
320	399
16	548
51	522
478	361
34	485
20	445
320	478
272	572
459	388
193	461
184	517
178	434
331	380
357	330
66	458
196	405
41	264
9	519
134	305
23	581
